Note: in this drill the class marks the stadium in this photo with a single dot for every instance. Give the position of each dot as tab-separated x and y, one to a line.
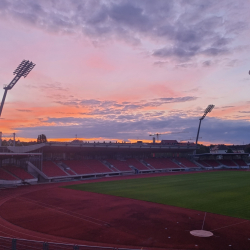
82	195
109	75
39	210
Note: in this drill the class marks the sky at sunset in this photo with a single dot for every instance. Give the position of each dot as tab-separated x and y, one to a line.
124	69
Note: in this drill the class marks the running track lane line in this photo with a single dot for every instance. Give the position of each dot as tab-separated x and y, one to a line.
59	208
32	235
15	197
231	225
61	212
7	198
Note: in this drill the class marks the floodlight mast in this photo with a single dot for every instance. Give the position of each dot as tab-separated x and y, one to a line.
23	69
207	110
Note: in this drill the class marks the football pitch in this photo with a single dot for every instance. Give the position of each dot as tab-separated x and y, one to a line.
224	192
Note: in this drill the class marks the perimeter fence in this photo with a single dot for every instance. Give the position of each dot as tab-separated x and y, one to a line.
7	243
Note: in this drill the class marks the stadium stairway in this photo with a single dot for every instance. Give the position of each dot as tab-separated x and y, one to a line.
181	165
13	175
203	164
97	166
138	165
110	166
171	163
241	163
90	167
128	166
6	175
164	164
229	164
44	177
78	167
198	163
65	168
121	165
187	163
7	178
213	163
147	165
70	172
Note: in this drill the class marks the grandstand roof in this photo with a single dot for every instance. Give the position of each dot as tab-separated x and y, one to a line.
103	147
17	155
209	154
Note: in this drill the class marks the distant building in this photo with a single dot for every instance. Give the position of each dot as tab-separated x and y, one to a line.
218	149
169	142
237	148
76	141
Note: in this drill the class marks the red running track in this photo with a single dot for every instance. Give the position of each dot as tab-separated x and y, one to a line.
50	213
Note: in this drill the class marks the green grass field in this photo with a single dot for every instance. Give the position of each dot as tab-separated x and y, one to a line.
225	192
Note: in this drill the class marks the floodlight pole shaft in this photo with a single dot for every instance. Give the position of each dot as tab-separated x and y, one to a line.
10	86
3	100
198	132
14	81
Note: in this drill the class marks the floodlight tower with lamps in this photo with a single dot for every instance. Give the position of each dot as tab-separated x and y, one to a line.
23	69
207	110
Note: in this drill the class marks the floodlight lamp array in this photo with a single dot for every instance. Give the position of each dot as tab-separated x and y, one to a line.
29	68
207	110
20	67
24	68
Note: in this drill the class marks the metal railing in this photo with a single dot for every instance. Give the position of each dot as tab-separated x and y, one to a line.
7	243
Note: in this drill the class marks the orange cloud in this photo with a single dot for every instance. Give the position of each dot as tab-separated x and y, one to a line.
234	111
20	115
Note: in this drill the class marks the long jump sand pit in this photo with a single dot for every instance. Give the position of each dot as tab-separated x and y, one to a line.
65	215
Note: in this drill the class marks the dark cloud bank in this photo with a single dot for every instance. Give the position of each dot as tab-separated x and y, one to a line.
183	28
130	120
212	129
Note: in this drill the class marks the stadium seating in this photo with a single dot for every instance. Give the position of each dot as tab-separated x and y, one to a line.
228	163
19	172
203	163
187	163
212	163
137	164
7	176
120	165
78	166
240	163
52	170
161	163
96	166
70	172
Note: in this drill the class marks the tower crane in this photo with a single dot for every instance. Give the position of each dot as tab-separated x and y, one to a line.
165	133
157	136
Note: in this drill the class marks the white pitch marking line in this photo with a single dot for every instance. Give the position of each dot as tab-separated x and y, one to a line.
204	220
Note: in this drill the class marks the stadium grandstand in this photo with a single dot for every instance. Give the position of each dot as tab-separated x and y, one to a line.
59	161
